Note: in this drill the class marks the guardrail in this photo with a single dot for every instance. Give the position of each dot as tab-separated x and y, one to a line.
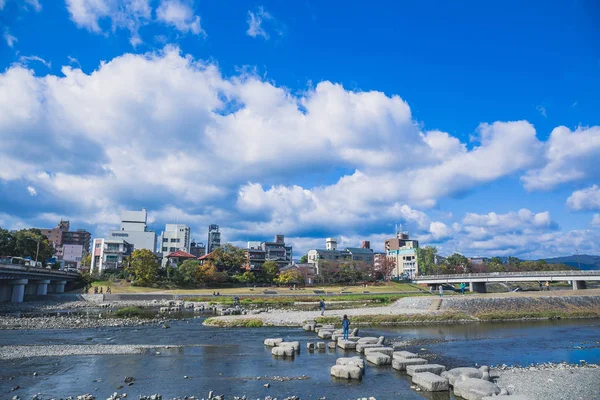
509	274
24	268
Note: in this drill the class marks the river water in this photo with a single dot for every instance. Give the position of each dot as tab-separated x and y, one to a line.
228	361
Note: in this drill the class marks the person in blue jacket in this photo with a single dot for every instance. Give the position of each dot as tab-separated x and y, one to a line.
345	326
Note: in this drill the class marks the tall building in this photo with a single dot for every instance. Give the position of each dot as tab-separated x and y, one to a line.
403	251
78	242
109	254
331	253
214	238
134	230
260	252
197	249
175	237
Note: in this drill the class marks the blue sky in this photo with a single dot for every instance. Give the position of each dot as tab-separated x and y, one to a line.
474	125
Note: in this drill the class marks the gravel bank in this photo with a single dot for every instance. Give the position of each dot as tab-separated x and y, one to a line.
559	382
71	322
15	352
54	305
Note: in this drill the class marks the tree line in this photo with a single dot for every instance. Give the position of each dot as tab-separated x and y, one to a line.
24	243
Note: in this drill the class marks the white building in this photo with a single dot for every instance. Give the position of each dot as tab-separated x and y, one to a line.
109	254
72	254
331	253
403	251
175	237
134	230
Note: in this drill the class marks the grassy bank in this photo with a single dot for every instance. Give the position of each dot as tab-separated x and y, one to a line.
404	319
536	314
234	323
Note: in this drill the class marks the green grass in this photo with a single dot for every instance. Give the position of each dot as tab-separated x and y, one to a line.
128	312
536	314
235	323
404	319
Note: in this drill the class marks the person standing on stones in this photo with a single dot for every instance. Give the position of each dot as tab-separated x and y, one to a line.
322	305
345	326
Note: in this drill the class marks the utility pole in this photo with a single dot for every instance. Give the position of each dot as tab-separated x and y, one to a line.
578	263
37	252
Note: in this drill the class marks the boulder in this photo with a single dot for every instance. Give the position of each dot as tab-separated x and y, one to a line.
430	382
379	358
474	389
383	350
346	372
294	345
346	344
368	340
433	368
401	363
360	347
273	342
324	334
468	372
352	361
405	354
283	351
321	345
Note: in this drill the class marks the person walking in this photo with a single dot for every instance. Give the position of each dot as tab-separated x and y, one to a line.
441	291
322	305
462	288
345	326
547	286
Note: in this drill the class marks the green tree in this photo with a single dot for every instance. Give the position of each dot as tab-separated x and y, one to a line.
426	260
269	271
228	258
7	243
208	274
86	260
513	261
458	263
142	264
304	259
291	277
26	242
247	278
187	273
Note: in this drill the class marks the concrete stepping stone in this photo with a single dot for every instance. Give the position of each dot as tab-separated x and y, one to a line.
273	342
331	345
401	363
353	361
285	351
379	358
507	397
360	347
430	382
346	344
323	334
433	368
346	372
468	372
474	389
405	354
368	340
321	345
383	350
295	345
310	346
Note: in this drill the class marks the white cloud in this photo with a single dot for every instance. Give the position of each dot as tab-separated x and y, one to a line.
10	39
31	190
570	156
586	199
35	4
121	14
596	221
25	60
257	21
542	110
180	15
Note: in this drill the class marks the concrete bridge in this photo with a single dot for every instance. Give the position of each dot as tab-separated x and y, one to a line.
18	281
477	281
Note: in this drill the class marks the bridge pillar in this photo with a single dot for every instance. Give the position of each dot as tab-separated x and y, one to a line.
59	286
18	290
42	287
578	285
477	287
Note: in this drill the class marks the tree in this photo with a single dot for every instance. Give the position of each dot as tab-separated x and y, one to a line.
270	270
187	273
386	266
291	277
328	271
426	260
142	264
458	263
304	259
7	243
208	274
228	258
86	261
31	243
247	278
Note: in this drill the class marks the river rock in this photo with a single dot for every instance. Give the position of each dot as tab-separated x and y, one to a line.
283	351
400	364
473	388
433	368
405	354
468	372
379	358
430	382
273	342
383	350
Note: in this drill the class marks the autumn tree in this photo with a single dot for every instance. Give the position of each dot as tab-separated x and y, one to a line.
269	271
142	264
290	277
228	258
386	266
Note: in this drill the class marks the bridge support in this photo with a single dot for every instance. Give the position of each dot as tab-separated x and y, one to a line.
59	286
18	290
42	287
477	287
578	285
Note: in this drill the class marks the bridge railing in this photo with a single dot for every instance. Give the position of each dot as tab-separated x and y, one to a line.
26	268
509	274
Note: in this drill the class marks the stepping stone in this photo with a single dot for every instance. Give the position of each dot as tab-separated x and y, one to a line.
405	354
323	334
331	345
433	368
383	350
507	397
379	358
474	389
360	347
430	382
401	363
310	346
321	345
273	342
352	361
295	345
285	351
468	372
346	372
346	344
368	340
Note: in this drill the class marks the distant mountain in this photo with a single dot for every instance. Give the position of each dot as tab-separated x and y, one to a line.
585	261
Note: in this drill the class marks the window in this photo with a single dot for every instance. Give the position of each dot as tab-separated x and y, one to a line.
174	240
98	245
165	239
172	249
165	249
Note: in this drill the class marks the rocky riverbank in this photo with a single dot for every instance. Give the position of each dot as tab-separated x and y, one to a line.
74	322
16	352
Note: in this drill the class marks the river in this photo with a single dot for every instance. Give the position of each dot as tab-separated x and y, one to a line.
228	361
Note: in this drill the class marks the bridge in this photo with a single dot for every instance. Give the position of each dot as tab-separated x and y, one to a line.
18	282
477	281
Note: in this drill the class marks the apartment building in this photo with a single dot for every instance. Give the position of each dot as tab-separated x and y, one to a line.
260	252
214	238
109	254
331	253
61	236
134	230
403	251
